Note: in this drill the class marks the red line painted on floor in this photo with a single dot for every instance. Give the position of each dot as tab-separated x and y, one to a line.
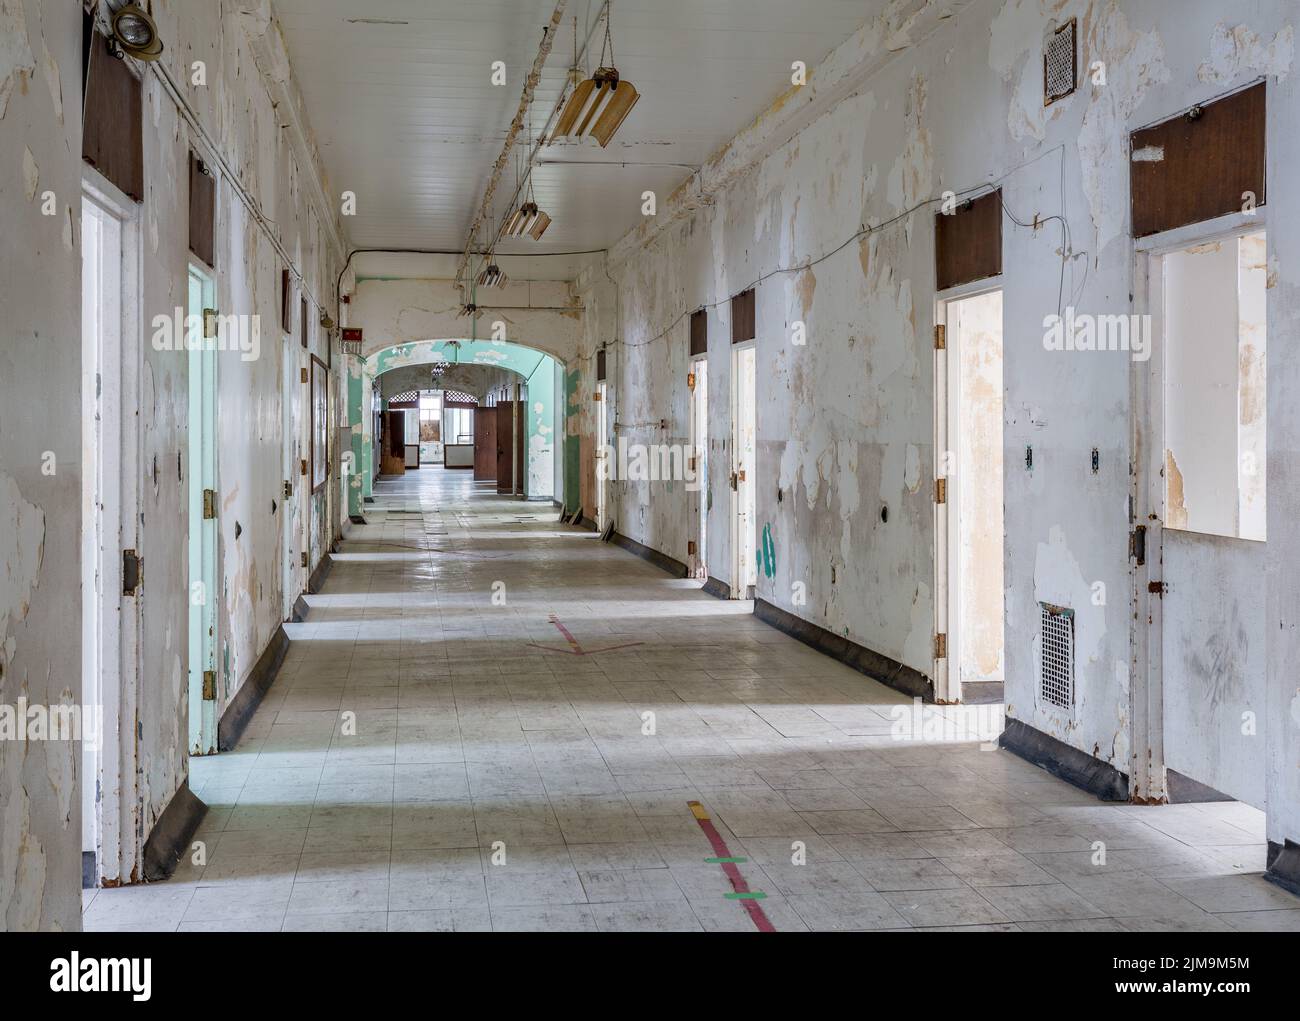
575	649
756	913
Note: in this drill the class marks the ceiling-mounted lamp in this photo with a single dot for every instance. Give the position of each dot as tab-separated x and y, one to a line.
469	309
135	33
491	276
528	219
598	105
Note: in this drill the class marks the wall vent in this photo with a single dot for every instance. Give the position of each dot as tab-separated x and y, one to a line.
1056	657
1060	63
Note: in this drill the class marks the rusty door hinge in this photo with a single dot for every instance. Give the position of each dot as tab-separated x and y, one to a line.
288	489
304	467
209	685
596	396
304	559
733	480
130	572
690	547
941	646
302	374
209	322
209	504
690	381
1137	545
1157	588
940	337
940	490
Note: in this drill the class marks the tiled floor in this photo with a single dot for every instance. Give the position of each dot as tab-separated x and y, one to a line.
435	756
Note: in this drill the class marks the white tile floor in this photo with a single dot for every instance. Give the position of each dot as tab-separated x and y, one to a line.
479	733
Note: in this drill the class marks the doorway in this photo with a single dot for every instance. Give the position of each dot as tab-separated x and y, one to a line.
201	343
603	461
110	634
1201	413
699	563
744	419
970	623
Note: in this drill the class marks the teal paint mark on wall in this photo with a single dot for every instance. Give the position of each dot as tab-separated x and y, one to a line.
767	552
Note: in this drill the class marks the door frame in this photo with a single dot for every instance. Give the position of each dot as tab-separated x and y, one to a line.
202	736
602	454
120	845
739	585
699	367
947	523
1147	777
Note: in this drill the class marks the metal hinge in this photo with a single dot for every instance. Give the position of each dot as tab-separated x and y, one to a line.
209	504
1137	545
1157	588
941	646
940	337
288	489
209	685
596	396
304	559
130	572
690	547
302	373
209	322
304	467
940	490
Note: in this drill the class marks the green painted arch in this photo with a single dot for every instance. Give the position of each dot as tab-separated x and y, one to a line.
545	416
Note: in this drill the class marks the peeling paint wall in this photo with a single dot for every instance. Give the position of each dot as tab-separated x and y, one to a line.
930	98
40	141
40	494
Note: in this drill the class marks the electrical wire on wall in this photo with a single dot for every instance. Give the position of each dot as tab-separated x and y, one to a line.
1067	253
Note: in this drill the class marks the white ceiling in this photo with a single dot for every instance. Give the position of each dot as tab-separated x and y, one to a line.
406	117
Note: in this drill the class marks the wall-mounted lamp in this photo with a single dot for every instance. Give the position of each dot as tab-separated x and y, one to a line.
135	33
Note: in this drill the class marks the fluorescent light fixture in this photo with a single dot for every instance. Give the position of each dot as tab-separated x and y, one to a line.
492	276
528	219
596	108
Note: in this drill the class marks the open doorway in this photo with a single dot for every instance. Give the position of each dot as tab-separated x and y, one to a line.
202	492
699	561
969	605
744	447
602	453
111	369
1201	415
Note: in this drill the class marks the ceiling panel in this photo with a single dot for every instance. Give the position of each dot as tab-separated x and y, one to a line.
400	99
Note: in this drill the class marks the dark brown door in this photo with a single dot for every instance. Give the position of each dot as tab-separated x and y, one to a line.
506	434
485	444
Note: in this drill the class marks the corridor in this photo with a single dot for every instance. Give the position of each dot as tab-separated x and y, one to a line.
500	776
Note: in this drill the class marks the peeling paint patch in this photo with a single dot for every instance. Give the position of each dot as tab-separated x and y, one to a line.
1238	51
22	548
1175	506
16	63
1149	154
51	68
31	174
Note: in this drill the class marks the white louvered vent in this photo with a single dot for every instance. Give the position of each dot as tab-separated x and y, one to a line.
1056	657
1060	63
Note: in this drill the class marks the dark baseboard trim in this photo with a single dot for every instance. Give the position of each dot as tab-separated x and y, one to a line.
319	575
982	692
357	519
661	560
866	661
234	721
89	870
169	839
588	524
1284	865
1183	790
718	589
1098	778
367	499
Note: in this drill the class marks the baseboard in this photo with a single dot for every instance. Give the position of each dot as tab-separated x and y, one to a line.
1183	790
717	589
319	575
588	524
1284	865
234	721
982	692
357	519
89	870
170	837
1098	778
661	560
875	665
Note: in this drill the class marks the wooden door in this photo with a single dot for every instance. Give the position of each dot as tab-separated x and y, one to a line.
506	435
485	444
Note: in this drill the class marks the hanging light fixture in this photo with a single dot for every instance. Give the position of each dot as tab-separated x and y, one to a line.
528	219
599	104
492	276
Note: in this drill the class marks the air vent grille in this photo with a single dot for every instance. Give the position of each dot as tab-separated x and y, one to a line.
1060	63
1056	657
